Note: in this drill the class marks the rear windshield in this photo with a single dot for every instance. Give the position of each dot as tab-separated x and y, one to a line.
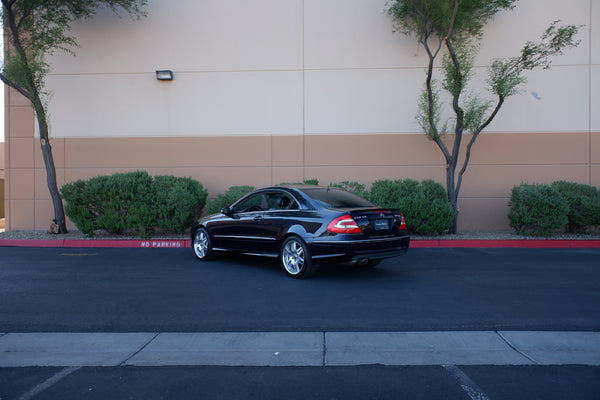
336	198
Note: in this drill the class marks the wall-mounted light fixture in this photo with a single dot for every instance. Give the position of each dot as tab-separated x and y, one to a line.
164	75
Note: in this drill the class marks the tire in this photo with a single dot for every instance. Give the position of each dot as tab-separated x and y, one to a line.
202	244
295	258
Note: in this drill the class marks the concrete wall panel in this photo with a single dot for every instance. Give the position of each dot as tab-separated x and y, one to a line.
341	35
531	148
371	150
22	184
595	96
193	104
555	100
507	33
594	29
190	35
362	101
498	180
21	151
21	121
483	213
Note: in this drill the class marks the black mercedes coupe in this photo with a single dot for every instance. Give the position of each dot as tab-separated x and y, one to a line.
303	226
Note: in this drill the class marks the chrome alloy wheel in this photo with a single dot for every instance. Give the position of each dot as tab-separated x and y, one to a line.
201	244
293	257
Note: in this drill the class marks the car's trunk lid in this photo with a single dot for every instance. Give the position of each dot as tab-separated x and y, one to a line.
378	221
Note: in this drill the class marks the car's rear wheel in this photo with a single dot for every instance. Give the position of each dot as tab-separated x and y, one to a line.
202	244
295	258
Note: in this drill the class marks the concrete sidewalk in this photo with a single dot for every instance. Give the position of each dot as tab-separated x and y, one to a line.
300	348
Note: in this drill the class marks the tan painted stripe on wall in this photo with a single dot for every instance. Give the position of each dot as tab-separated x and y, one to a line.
499	162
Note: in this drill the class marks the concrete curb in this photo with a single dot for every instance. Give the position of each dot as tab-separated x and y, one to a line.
415	243
299	348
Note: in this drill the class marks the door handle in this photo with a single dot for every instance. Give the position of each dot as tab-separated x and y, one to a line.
258	218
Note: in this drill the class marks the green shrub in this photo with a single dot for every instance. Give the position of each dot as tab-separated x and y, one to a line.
307	182
78	206
387	193
537	209
425	205
179	202
584	205
133	200
113	203
226	199
353	187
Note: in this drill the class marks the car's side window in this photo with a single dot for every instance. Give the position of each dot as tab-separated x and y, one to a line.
258	202
281	201
274	201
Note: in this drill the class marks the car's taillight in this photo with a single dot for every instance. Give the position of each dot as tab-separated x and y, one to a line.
344	224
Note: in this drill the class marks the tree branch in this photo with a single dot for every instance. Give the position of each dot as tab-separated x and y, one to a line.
430	109
16	87
473	138
453	18
25	15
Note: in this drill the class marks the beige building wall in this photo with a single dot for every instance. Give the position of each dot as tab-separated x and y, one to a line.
278	91
1	184
1	160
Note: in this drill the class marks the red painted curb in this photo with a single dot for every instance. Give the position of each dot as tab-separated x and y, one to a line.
414	243
136	243
517	243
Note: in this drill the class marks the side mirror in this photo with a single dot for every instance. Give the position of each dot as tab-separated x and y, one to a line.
229	212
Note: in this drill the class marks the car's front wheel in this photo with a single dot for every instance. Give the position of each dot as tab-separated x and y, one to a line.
201	244
295	258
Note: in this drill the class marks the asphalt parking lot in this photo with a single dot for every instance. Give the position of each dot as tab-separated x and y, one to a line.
437	323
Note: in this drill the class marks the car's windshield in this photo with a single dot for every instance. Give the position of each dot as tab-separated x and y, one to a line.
336	198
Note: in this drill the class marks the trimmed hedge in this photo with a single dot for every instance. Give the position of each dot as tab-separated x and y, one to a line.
180	202
537	209
584	205
306	182
353	187
133	200
425	205
226	199
544	209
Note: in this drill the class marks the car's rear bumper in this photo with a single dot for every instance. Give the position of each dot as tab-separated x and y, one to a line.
328	249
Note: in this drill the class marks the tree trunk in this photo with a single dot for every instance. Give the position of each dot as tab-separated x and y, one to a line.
452	196
59	211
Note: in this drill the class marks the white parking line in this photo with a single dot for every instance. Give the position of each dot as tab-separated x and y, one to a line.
473	391
48	382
